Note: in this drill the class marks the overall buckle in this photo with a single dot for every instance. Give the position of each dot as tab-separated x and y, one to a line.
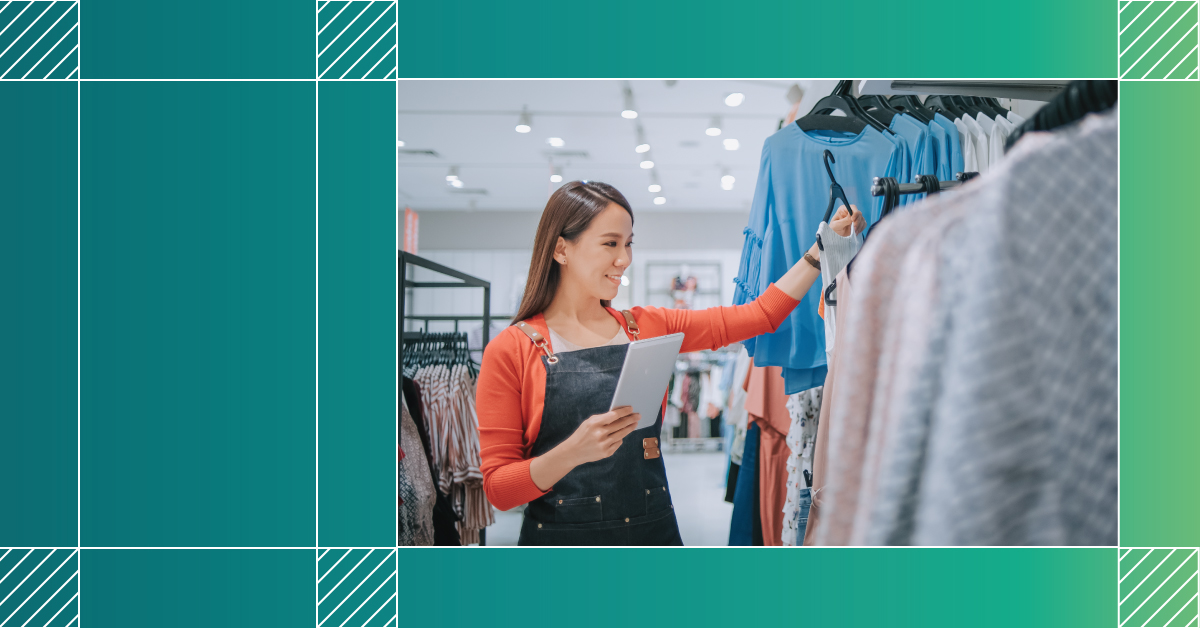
650	448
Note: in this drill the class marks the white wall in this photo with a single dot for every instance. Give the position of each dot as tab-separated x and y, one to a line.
507	269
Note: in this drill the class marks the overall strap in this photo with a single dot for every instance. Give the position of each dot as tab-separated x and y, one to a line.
539	341
630	323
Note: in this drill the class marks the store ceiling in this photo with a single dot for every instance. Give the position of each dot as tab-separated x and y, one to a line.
471	125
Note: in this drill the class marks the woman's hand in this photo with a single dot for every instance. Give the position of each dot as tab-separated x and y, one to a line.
600	435
841	221
595	439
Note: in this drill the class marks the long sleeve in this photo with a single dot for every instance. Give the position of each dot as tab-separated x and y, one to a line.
503	400
717	327
747	288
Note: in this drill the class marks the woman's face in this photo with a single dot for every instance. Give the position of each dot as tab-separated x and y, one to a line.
596	260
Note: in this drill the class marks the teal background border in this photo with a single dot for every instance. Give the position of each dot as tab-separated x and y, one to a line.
199	284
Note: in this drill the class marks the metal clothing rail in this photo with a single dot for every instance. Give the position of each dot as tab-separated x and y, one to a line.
403	261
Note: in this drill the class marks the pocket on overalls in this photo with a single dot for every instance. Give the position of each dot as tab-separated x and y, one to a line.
578	510
658	499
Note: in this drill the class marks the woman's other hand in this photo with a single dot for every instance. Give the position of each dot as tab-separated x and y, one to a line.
841	221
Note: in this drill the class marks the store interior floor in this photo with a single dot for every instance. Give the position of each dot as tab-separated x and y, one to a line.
697	488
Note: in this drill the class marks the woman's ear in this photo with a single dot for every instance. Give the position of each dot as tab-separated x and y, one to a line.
560	251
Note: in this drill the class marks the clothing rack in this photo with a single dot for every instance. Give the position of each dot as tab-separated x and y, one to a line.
1020	90
878	186
405	259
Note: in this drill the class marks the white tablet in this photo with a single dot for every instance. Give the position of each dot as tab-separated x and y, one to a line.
645	375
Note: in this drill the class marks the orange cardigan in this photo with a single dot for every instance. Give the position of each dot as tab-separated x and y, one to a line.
512	381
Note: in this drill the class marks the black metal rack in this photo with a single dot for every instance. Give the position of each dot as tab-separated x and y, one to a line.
923	185
403	261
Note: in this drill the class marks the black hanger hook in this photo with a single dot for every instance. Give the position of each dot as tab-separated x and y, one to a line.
829	158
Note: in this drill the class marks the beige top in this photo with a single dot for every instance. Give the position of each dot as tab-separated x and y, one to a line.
558	344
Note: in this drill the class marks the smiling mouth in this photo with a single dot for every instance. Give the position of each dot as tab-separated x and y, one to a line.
614	278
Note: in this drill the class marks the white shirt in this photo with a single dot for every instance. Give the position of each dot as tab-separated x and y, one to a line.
1015	119
558	344
981	143
970	164
1001	129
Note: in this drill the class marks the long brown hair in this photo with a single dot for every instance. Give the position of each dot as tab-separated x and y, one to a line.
568	213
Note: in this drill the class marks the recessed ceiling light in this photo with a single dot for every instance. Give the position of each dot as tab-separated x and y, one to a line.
399	143
629	112
524	124
654	188
456	183
453	174
659	200
642	148
731	144
556	142
714	127
646	165
556	174
735	99
727	182
624	280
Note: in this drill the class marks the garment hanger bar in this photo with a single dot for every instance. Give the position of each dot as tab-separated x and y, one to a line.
1021	90
878	188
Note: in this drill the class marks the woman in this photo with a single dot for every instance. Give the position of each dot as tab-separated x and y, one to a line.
548	438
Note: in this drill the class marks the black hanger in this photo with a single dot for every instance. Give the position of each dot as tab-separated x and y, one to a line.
912	106
995	106
891	194
835	190
843	124
967	106
841	100
1076	100
986	107
943	105
879	108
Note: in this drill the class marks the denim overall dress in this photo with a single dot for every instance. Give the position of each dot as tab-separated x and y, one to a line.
620	500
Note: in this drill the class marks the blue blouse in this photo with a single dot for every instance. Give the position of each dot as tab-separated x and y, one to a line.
790	198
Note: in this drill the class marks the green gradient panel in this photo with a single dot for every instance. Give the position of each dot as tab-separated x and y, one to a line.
357	208
198	40
197	588
894	587
37	322
1160	341
198	314
715	39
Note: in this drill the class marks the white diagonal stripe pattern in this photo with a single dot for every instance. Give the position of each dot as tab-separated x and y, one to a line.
385	605
1186	604
1164	34
368	599
348	595
341	47
1134	567
26	600
1122	31
1160	585
1164	604
360	35
344	577
1185	58
1147	29
1168	53
330	570
39	39
1147	576
51	622
61	61
39	587
35	35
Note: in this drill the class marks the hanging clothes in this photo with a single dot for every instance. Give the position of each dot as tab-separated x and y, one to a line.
789	201
804	409
957	389
445	520
745	528
953	148
766	404
416	512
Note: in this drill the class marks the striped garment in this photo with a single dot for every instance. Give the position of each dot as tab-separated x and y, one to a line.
448	402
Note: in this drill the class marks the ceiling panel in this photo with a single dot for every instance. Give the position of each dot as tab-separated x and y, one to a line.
471	125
